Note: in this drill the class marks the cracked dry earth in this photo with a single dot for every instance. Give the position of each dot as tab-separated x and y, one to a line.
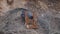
48	15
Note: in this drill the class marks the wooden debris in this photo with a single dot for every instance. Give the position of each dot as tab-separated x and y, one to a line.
30	23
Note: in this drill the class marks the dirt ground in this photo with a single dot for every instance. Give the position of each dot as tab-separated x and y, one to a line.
47	11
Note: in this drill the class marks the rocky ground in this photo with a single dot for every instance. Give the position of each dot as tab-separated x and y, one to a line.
48	15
